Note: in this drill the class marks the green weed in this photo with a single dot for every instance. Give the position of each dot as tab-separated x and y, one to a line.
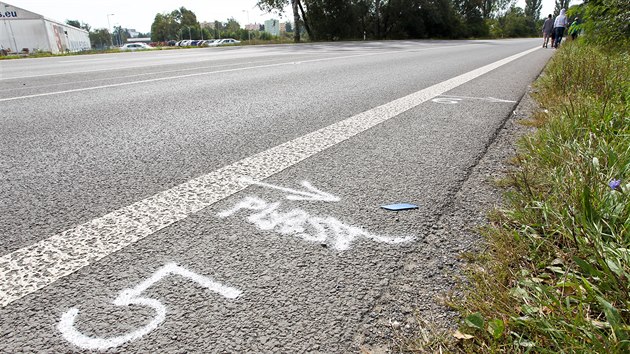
555	276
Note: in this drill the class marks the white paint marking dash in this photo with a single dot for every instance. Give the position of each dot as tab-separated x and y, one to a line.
31	268
313	194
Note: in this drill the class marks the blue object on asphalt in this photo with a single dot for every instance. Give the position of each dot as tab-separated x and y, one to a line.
399	207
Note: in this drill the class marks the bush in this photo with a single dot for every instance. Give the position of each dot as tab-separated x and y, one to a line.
608	22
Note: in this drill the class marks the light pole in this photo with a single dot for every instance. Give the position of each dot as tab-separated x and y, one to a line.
109	27
280	29
249	34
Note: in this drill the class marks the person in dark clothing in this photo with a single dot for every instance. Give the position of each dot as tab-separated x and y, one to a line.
547	30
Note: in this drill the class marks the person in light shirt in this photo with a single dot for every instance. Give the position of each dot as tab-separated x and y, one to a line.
558	27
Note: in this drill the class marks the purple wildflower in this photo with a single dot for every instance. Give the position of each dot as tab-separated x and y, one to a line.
614	184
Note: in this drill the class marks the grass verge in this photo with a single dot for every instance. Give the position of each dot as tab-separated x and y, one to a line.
555	274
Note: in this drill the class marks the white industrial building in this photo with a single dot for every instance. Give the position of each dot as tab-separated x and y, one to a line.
21	29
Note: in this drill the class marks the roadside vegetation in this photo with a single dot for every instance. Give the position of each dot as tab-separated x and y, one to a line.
554	276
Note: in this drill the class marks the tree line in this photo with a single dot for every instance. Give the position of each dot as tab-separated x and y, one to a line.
406	19
182	24
102	37
389	19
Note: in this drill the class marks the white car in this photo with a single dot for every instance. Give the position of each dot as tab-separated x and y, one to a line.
136	46
212	42
227	41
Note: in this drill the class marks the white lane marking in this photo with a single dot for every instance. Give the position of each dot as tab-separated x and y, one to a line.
297	222
31	268
171	78
133	297
451	99
446	100
314	194
138	75
87	60
182	59
205	73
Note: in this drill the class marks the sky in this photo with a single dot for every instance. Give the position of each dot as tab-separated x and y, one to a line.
139	14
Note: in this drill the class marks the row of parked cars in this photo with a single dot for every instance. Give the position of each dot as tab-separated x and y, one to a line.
184	43
206	43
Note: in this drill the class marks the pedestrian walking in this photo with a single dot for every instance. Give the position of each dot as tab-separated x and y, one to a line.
558	27
547	30
574	29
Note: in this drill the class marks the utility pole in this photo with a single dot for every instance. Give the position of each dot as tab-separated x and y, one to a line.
109	28
249	34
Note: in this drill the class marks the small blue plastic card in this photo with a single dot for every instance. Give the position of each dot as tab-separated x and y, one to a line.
399	207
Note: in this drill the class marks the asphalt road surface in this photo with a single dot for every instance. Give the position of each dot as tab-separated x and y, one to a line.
229	199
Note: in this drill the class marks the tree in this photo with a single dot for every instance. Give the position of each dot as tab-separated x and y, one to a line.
515	23
472	20
164	28
232	25
607	22
298	11
185	17
331	19
490	7
167	26
73	23
101	38
120	35
532	13
561	4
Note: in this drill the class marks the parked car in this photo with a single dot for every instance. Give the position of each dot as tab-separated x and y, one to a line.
228	41
136	46
211	43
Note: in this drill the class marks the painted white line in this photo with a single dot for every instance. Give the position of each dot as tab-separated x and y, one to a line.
87	60
133	297
139	75
488	99
202	73
31	268
168	78
313	194
181	59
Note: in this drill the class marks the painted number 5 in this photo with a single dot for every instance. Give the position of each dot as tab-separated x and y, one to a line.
133	297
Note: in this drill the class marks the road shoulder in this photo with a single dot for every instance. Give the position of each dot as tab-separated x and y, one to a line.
412	305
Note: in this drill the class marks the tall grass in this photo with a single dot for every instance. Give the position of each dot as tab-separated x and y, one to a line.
555	276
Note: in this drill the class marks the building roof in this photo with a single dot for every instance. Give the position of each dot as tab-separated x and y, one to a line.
23	14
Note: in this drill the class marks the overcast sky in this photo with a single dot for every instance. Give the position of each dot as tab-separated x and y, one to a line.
139	14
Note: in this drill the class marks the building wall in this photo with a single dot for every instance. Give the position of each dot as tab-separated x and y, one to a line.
272	27
20	29
21	34
66	38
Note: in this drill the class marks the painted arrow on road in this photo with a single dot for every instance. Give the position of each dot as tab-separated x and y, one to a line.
311	194
450	99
